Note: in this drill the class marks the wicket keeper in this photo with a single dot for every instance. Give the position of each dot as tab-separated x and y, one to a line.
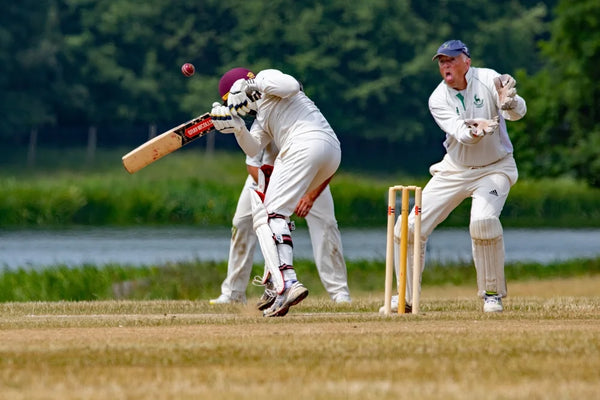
471	105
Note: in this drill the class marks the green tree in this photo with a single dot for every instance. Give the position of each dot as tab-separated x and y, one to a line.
28	58
113	53
128	55
561	134
368	64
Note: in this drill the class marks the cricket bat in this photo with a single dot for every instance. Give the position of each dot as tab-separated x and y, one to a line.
167	142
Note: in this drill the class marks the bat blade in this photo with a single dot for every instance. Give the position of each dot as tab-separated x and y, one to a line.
167	142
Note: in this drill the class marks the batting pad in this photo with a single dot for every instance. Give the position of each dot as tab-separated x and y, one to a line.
265	240
488	255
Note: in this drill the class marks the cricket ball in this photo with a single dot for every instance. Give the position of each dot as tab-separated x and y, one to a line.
188	69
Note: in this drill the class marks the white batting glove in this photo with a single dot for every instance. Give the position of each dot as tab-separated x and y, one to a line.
223	121
238	100
505	86
480	126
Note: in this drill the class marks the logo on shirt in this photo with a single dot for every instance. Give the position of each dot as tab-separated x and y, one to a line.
477	101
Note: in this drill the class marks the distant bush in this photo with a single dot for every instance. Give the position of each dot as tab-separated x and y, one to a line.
188	188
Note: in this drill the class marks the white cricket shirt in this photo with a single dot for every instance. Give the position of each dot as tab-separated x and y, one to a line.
450	108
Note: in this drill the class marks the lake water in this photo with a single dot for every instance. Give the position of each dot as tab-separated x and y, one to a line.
151	246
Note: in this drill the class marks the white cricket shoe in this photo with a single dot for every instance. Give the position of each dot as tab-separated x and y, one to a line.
268	296
290	297
225	299
342	298
394	306
267	299
492	303
222	299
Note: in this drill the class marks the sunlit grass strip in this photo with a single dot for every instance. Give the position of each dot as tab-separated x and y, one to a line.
364	308
538	348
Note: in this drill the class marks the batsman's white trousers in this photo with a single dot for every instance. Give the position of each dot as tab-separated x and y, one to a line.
324	235
299	168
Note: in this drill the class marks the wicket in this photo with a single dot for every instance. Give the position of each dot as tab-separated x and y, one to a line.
389	256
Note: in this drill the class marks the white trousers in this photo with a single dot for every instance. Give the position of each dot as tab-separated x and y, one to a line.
324	235
298	169
450	185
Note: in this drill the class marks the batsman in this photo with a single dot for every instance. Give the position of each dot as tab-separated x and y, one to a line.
471	105
309	155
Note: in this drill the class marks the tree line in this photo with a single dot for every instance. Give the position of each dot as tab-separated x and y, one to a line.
367	65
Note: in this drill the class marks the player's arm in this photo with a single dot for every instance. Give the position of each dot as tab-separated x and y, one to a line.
306	202
253	172
275	83
510	104
449	121
244	92
253	165
225	122
465	131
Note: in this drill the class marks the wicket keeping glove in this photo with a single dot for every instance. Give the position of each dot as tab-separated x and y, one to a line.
480	126
223	121
505	86
238	99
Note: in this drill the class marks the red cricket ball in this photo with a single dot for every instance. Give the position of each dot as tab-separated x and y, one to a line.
188	69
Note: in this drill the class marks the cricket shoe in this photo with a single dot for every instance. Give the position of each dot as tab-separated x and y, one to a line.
342	298
394	307
492	303
225	299
268	296
290	297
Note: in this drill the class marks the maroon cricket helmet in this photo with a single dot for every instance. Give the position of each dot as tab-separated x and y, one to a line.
230	77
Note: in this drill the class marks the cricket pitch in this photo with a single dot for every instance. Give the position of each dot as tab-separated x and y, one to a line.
544	346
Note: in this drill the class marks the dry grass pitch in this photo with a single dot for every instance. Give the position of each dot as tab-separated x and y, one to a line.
546	345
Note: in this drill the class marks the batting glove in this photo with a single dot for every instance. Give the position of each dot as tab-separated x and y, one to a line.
223	121
505	86
480	127
238	99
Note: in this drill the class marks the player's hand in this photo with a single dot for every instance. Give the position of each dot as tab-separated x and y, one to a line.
505	86
238	101
480	126
304	206
223	121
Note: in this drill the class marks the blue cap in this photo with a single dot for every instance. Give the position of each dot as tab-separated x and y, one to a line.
452	48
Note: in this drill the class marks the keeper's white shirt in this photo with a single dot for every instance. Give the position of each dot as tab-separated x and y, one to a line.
450	108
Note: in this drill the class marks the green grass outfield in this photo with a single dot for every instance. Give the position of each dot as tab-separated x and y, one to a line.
163	340
544	346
